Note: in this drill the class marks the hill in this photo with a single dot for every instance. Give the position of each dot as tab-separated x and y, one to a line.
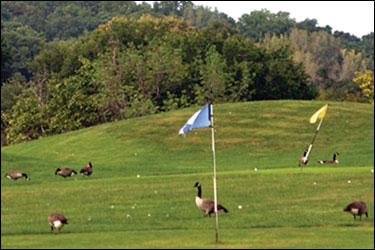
282	206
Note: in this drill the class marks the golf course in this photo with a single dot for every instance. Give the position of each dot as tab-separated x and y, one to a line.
141	193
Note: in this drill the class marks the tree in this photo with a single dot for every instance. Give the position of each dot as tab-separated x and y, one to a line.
6	60
26	119
351	63
213	78
368	47
259	23
365	81
73	104
23	43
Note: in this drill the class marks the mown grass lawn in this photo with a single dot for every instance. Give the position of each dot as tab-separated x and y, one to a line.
282	205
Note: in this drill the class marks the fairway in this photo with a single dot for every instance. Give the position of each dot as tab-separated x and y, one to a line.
141	193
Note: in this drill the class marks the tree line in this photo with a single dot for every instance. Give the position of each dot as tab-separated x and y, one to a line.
153	59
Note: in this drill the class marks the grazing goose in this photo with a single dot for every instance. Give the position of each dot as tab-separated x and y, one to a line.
14	175
331	161
205	205
57	220
303	159
357	208
87	170
65	172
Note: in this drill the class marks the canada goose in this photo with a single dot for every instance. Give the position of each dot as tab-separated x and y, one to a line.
303	159
357	208
57	220
330	161
65	172
14	175
205	205
87	170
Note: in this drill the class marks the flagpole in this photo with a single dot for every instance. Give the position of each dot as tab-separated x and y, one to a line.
214	165
316	132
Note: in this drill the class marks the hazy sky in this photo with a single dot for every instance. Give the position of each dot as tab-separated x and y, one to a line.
355	17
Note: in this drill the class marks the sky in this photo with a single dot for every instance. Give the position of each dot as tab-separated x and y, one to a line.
354	17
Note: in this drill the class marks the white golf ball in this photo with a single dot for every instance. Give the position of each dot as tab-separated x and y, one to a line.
239	207
349	181
138	176
149	215
255	169
372	171
314	183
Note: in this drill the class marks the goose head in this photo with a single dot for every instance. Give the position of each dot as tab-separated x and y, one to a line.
26	177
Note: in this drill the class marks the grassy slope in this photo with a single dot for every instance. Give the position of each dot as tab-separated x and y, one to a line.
282	208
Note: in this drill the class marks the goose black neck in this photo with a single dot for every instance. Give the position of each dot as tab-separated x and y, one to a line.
334	157
199	192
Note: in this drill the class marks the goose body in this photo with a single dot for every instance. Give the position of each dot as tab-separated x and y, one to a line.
65	172
334	161
14	175
87	170
357	208
303	159
207	206
57	221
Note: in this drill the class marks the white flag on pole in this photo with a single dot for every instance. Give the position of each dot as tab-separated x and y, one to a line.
201	119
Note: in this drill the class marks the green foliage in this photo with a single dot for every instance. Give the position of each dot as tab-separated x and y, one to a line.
27	119
213	78
330	68
6	60
23	44
134	64
259	23
73	103
135	67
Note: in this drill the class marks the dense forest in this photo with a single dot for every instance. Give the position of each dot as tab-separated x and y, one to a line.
67	65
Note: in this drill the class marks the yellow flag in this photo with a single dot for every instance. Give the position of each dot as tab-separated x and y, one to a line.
319	114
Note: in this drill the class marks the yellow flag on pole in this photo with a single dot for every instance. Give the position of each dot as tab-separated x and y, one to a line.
319	114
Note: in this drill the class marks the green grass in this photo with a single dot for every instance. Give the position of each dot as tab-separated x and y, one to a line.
281	205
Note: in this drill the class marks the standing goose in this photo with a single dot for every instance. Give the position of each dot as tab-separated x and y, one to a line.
57	221
357	208
205	205
331	161
303	159
65	172
87	170
14	175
